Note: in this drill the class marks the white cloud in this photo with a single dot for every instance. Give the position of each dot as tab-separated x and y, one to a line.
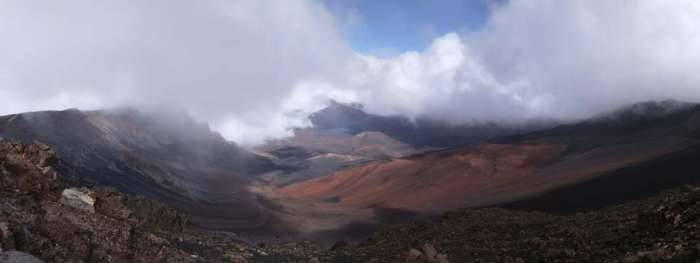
546	58
446	81
252	68
307	97
217	59
590	56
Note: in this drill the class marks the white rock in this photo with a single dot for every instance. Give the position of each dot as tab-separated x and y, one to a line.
79	198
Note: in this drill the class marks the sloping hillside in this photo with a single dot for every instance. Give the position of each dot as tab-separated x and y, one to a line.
165	157
629	154
662	228
428	182
632	153
420	132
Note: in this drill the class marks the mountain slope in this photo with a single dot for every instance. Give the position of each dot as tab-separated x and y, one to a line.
343	136
166	157
421	132
660	140
610	159
428	182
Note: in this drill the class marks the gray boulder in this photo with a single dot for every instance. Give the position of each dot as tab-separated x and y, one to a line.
79	198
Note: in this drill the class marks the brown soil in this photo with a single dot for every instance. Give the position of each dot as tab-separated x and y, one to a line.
428	182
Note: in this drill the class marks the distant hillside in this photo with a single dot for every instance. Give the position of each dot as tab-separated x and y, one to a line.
629	154
421	132
647	147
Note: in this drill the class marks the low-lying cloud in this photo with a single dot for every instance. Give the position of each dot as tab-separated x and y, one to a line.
217	59
254	68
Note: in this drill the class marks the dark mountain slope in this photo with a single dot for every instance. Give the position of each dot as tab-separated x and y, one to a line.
627	183
421	132
166	157
665	136
638	122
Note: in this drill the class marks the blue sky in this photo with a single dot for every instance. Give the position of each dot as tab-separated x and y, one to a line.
388	27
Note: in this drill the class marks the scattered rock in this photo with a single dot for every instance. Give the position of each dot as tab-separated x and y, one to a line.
339	245
679	248
154	216
643	232
29	167
314	260
632	259
109	202
430	252
4	230
442	258
5	236
156	240
20	237
79	198
18	257
414	256
58	225
234	258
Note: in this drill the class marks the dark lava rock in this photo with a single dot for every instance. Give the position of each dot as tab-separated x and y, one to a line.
664	228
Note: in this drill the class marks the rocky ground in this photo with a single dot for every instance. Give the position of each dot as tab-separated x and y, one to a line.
665	228
77	224
43	219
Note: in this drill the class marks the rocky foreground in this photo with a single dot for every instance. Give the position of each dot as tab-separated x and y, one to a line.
43	219
665	228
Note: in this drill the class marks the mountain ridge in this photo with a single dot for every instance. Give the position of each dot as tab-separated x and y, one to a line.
172	159
628	154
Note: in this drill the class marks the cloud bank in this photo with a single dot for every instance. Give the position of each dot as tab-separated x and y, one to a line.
562	59
254	68
219	60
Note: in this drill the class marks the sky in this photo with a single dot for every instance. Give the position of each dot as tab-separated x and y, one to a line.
254	68
390	27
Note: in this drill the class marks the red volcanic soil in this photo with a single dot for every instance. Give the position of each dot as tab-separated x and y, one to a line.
427	182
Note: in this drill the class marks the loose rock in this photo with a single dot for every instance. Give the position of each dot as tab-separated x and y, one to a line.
78	198
442	258
430	252
339	245
4	230
414	256
18	257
